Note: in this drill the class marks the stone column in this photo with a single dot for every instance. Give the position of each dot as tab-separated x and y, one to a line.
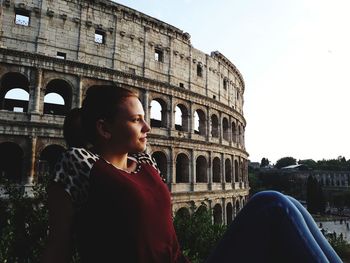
207	135
222	164
172	167
79	99
32	171
146	106
37	91
224	217
193	170
191	120
210	166
171	116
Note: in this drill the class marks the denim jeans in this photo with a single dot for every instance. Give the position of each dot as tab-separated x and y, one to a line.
273	227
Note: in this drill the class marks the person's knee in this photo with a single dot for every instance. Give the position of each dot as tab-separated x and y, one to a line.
270	196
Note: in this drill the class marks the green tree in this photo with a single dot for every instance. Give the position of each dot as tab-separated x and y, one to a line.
314	196
285	161
264	162
311	164
197	234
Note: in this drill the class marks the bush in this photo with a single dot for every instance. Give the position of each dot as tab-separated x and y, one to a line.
23	224
197	234
339	244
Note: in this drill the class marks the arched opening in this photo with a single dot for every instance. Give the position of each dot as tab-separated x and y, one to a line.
199	122
158	113
201	170
225	132
233	131
48	158
216	170
239	134
228	171
14	92
182	168
229	213
11	164
202	209
237	207
183	213
161	161
217	213
58	97
214	126
181	118
236	171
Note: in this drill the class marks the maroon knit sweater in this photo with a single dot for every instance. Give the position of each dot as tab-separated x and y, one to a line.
127	218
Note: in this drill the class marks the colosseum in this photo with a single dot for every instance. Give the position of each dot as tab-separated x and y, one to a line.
53	51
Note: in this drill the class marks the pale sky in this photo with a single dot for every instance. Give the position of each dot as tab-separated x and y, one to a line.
294	56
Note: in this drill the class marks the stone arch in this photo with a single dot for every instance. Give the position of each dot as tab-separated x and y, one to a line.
201	169
234	131
162	163
239	134
236	171
237	206
48	158
216	170
183	213
158	113
225	129
241	171
182	168
228	171
201	209
217	214
56	90
15	83
181	117
199	126
11	165
214	126
229	213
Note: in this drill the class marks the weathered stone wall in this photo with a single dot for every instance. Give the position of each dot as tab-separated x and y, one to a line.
180	76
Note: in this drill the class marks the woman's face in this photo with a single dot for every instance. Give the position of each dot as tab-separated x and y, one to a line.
129	128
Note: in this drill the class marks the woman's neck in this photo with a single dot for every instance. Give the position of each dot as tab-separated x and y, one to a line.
119	160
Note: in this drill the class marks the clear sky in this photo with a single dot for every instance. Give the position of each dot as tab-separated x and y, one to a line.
294	56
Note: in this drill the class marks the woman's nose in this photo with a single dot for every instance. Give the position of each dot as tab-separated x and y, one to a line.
146	127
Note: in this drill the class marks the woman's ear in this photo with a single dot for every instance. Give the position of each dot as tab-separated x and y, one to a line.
102	129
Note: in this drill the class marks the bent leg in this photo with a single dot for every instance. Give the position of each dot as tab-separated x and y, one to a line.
269	228
317	234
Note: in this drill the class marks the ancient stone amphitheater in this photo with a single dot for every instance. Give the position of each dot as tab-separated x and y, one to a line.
53	51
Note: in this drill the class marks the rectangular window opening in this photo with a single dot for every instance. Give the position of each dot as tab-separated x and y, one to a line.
22	17
61	55
181	85
199	71
100	36
225	83
158	55
132	71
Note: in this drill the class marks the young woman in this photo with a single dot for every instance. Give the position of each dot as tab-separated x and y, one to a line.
113	200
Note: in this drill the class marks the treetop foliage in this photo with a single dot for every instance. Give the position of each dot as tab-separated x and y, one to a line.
285	161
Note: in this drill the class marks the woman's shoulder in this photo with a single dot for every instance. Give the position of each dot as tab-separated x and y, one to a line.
145	158
72	172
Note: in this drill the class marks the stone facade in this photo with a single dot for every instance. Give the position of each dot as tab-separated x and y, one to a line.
64	47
